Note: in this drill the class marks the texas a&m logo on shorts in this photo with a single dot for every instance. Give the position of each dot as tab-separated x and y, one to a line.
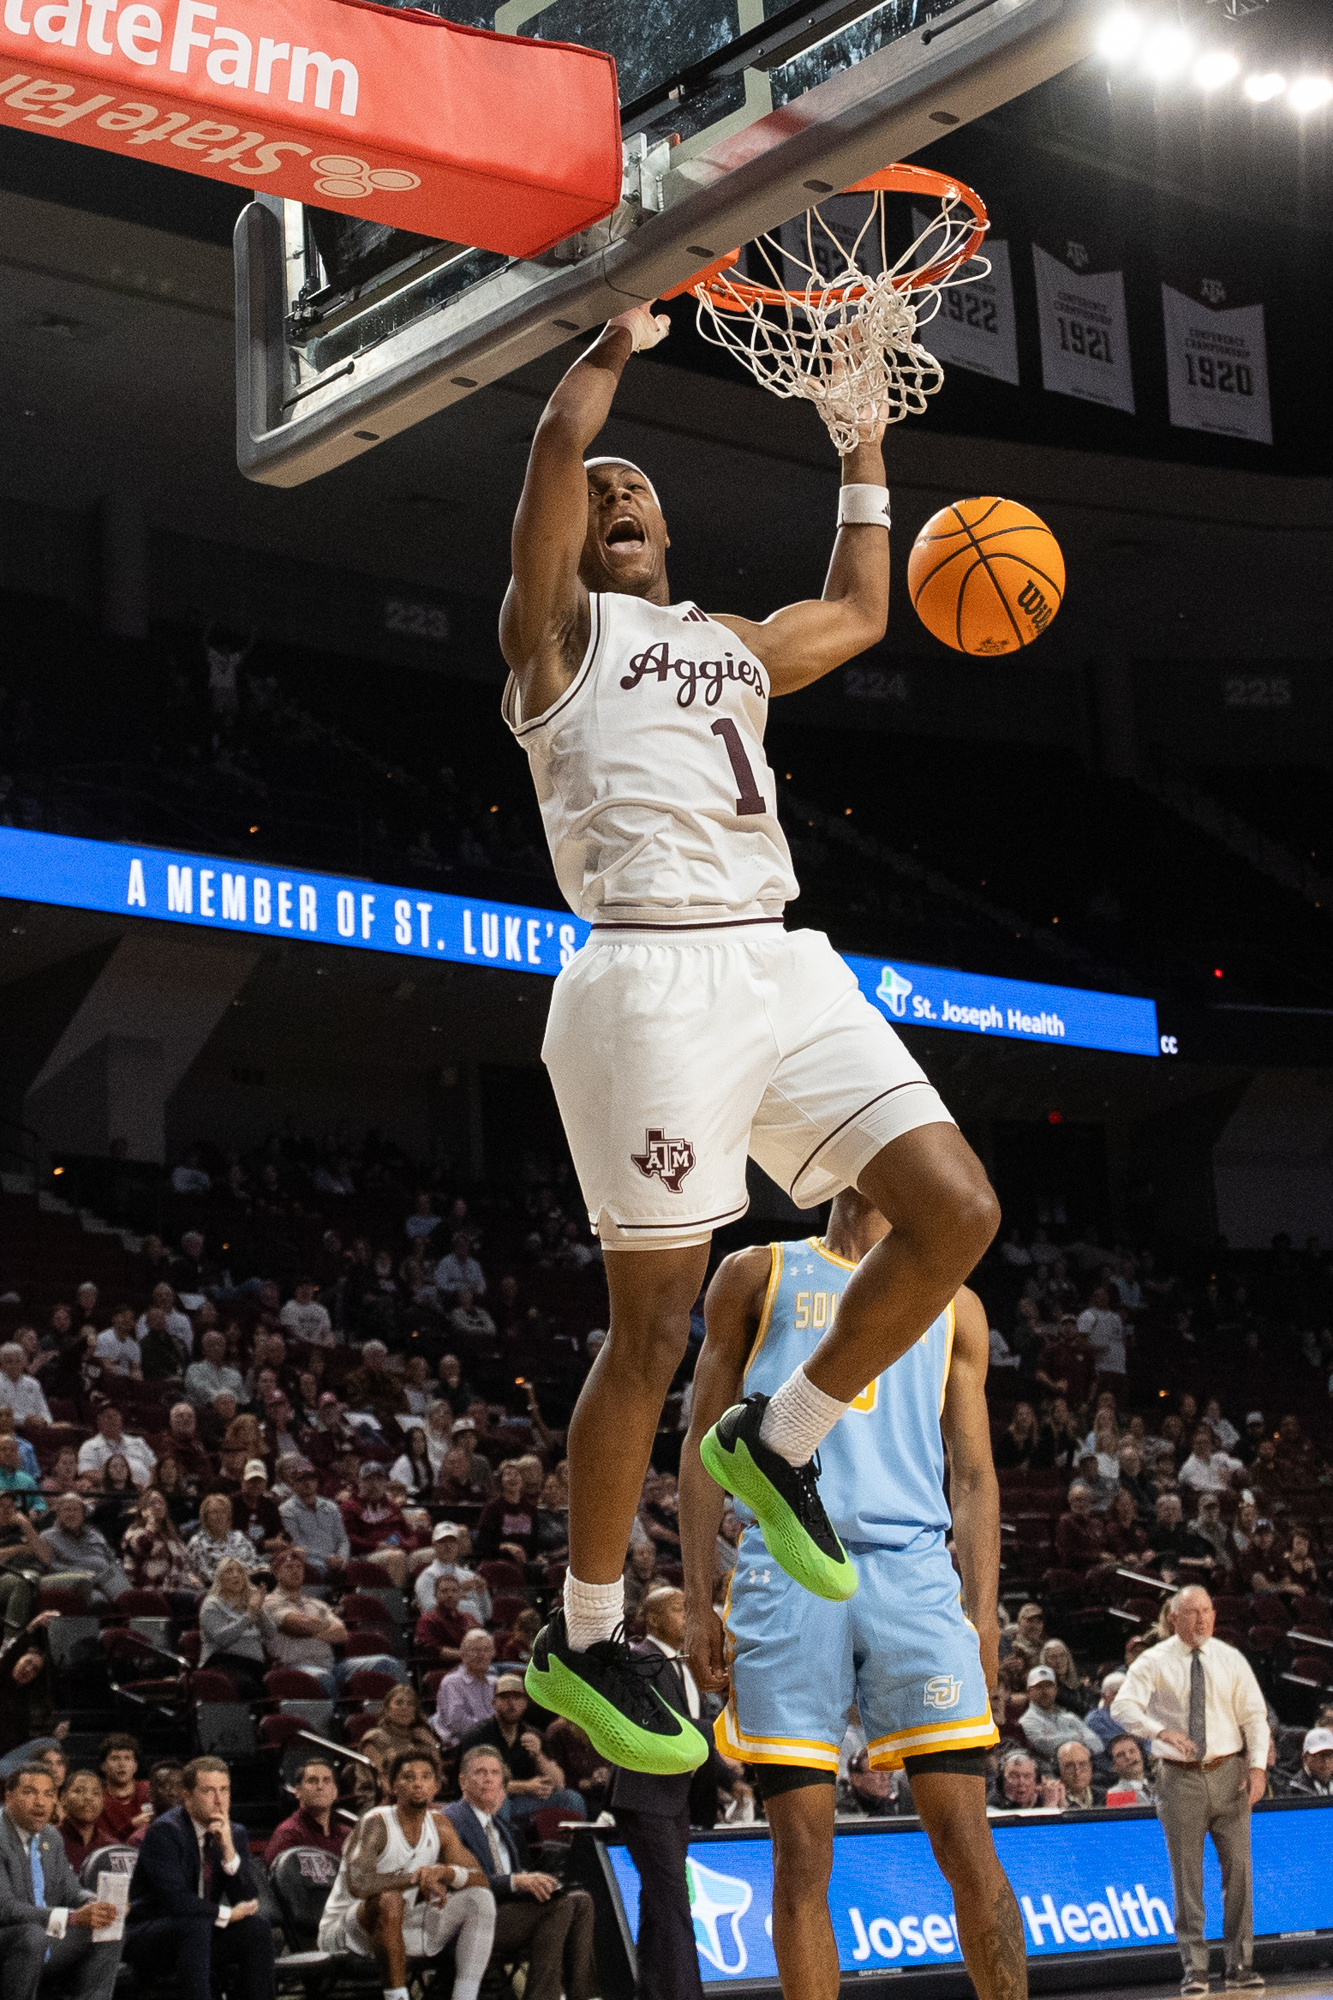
663	1159
942	1691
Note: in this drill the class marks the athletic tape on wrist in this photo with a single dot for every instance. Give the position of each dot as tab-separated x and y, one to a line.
460	1877
863	506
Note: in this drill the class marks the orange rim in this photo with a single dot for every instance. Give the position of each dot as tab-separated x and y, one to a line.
738	294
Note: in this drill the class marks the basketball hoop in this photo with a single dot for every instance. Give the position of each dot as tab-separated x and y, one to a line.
832	328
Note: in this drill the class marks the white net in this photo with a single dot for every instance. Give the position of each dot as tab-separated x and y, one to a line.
833	321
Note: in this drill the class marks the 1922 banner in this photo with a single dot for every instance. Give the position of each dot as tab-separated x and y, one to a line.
974	327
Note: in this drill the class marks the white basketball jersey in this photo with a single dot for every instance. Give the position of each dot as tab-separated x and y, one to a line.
397	1859
657	799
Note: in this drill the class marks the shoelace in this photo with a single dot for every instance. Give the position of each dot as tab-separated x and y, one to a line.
638	1674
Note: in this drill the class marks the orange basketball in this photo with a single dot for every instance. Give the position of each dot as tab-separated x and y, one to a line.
986	576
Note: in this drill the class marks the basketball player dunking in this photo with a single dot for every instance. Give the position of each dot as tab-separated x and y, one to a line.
693	1029
903	1648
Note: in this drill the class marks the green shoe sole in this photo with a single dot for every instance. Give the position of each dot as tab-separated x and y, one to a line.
612	1735
784	1537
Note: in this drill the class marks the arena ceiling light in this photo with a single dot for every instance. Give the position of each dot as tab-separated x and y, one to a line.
1120	36
1165	54
1310	93
1215	69
1264	87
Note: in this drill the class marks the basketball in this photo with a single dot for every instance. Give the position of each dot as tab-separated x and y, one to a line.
986	576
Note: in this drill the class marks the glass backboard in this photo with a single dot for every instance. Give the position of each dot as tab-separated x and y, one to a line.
736	114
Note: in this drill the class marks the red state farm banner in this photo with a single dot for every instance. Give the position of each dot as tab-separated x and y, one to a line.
499	141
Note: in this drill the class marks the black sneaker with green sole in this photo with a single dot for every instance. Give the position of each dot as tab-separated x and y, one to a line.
783	1498
613	1696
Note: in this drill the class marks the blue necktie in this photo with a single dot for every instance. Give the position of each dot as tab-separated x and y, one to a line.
38	1882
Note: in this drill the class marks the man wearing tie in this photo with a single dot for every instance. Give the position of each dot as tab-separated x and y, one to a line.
535	1919
47	1922
656	1814
193	1896
1200	1704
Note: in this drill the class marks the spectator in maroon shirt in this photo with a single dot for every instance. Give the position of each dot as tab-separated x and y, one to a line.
508	1524
1080	1535
124	1796
312	1824
376	1530
80	1818
166	1789
440	1632
181	1441
1066	1365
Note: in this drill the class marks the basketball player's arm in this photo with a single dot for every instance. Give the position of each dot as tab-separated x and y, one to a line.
731	1318
453	1854
545	620
974	1491
805	641
367	1844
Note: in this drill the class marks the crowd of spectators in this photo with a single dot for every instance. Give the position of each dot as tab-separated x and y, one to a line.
328	1486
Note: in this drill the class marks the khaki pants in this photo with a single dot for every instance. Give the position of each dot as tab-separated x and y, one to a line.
554	1938
1190	1803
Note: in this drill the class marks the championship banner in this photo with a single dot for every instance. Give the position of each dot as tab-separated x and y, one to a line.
1216	363
1084	331
975	326
502	142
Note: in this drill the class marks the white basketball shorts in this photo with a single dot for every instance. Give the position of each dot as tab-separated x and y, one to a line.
427	1927
674	1055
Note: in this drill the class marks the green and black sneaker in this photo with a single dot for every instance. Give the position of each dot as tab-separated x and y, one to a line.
612	1695
783	1498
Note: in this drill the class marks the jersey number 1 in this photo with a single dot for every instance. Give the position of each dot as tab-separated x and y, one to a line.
751	799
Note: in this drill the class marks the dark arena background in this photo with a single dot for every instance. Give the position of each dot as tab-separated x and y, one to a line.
277	937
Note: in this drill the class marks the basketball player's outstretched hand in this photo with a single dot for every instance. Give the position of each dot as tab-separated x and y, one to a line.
644	327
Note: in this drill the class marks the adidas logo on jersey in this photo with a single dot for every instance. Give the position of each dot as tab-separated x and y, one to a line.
663	1159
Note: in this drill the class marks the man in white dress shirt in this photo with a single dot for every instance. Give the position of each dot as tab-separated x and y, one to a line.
19	1392
1199	1704
111	1437
117	1349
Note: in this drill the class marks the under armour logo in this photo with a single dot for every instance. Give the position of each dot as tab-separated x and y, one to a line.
760	1576
1213	290
346	178
1076	254
663	1159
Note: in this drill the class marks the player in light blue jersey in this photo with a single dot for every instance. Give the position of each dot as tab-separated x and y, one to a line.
919	1666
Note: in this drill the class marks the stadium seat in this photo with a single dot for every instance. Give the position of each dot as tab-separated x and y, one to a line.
504	1610
370	1639
367	1684
360	1608
290	1684
69	1603
301	1879
358	1725
225	1728
277	1731
115	1859
499	1574
73	1640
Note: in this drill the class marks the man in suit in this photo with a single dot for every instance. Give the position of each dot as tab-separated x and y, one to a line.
46	1920
193	1895
656	1814
534	1917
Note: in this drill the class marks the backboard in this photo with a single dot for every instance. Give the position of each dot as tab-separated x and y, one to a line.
735	114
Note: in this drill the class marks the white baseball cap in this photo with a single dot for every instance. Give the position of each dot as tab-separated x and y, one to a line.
1041	1674
1317	1740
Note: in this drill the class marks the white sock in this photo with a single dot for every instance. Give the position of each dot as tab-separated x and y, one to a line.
395	1993
592	1610
798	1418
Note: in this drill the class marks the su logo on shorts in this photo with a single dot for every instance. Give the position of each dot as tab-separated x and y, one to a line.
942	1691
663	1159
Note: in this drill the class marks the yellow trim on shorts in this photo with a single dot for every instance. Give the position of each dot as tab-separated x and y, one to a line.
766	1311
821	1248
975	1732
733	1742
948	1353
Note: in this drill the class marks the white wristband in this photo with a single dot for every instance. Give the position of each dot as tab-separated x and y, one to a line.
460	1877
863	506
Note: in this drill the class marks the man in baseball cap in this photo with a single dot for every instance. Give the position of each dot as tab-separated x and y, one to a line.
535	1780
254	1512
1314	1780
1047	1726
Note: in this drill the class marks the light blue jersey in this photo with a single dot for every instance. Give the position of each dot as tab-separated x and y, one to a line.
900	1648
882	1466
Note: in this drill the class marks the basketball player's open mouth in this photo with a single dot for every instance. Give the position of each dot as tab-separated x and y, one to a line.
625	533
